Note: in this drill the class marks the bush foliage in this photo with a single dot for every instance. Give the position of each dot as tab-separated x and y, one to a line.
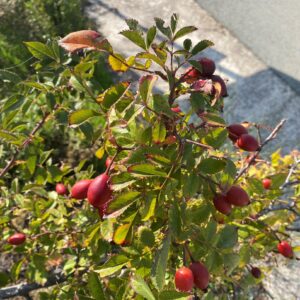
169	156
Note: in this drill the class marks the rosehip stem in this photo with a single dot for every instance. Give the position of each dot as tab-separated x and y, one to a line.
112	161
186	247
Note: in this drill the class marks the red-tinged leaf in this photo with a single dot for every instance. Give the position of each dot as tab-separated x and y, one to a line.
83	39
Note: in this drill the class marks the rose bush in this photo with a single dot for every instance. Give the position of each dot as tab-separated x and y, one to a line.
177	203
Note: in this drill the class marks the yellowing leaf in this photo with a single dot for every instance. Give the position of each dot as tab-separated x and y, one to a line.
118	63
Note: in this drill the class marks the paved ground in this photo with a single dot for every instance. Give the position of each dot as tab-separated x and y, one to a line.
256	93
269	28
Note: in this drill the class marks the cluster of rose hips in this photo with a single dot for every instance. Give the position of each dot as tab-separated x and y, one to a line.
97	191
240	136
195	275
203	80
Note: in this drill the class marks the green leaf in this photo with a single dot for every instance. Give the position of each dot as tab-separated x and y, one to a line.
175	219
95	286
4	279
31	163
122	200
160	264
16	269
40	50
191	184
231	261
255	185
173	295
37	85
201	46
196	64
214	261
164	30
183	31
212	165
8	136
113	94
146	86
159	132
278	180
113	265
216	138
160	105
174	21
228	237
8	76
12	103
141	288
80	116
147	170
135	37
187	44
132	24
150	36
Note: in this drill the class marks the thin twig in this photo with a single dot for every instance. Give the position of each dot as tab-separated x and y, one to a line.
271	136
199	144
29	139
291	171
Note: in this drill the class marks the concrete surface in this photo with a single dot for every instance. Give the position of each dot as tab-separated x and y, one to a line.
270	28
256	93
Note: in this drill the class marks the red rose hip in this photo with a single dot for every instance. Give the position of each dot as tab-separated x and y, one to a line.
99	191
61	189
208	66
237	196
184	279
221	204
247	142
285	249
107	162
267	182
235	131
17	239
201	275
80	189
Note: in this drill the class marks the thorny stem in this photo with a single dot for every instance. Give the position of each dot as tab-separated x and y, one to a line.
28	140
199	144
291	171
271	136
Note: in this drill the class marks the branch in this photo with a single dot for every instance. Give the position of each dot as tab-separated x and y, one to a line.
198	144
37	127
290	205
292	169
24	289
271	136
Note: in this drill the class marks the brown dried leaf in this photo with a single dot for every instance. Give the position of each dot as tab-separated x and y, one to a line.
83	39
